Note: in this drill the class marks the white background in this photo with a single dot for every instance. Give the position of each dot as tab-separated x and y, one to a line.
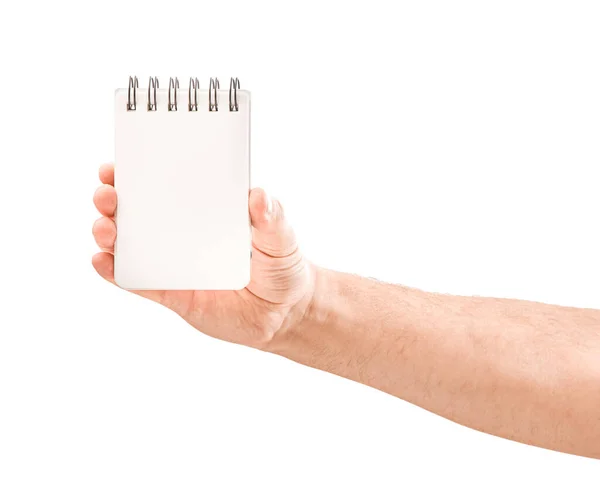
451	146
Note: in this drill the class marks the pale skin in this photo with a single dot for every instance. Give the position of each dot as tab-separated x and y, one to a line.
521	370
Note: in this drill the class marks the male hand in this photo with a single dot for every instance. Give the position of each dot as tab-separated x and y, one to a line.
276	298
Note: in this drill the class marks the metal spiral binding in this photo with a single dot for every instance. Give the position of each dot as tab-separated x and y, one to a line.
213	94
152	85
173	85
234	85
213	101
194	85
133	85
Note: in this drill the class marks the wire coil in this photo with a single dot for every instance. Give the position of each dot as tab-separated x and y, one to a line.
234	85
193	104
173	85
133	85
213	97
152	87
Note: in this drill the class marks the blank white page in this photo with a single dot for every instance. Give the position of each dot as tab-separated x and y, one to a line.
182	180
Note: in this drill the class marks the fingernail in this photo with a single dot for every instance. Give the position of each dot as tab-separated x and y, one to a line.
269	204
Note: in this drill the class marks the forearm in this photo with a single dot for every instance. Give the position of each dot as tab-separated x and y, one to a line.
521	370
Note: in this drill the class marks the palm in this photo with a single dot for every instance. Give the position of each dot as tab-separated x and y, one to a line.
210	311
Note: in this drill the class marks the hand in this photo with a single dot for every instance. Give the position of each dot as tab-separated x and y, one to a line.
276	298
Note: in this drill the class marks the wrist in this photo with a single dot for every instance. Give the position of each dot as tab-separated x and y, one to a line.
309	314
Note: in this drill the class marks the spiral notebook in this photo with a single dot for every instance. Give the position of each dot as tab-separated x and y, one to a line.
182	176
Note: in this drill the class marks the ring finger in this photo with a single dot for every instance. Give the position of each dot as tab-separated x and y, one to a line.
105	233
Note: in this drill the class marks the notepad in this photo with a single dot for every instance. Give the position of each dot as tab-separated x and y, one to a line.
182	176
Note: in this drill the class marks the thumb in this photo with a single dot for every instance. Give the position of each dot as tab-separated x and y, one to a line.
272	234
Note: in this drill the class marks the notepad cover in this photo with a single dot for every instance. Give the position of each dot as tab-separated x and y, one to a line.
182	180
